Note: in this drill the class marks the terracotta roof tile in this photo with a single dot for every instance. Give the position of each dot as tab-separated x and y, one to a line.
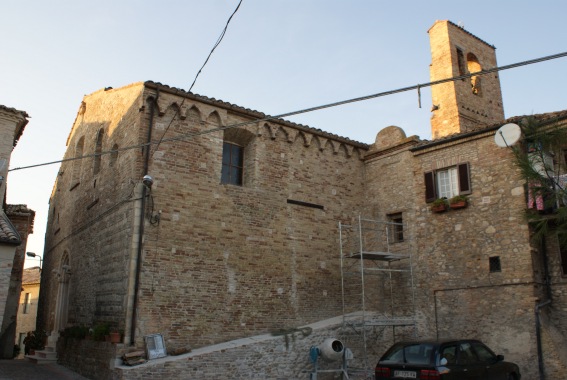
8	233
542	117
31	276
254	113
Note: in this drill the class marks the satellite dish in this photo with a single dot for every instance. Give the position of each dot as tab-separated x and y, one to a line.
507	135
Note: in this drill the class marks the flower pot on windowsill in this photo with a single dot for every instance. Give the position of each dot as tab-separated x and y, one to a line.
457	205
460	201
439	205
439	208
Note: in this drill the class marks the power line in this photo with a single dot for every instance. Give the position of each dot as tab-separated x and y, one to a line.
199	72
306	110
216	44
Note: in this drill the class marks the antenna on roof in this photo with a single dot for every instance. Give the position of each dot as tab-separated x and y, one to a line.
507	135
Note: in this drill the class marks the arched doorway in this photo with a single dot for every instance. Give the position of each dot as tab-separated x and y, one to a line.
62	305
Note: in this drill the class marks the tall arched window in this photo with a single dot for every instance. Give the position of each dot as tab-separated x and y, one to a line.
114	155
77	163
98	150
474	66
236	157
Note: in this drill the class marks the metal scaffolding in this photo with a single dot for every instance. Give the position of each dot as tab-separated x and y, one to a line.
378	291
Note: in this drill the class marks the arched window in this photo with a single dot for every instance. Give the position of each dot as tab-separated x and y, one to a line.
236	157
474	66
461	62
77	163
114	155
232	164
98	150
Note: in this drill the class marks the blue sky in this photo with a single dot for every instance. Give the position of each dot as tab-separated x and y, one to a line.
277	56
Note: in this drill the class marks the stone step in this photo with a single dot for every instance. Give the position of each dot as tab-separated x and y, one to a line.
41	360
46	354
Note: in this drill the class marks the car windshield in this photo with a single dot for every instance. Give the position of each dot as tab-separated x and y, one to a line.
409	354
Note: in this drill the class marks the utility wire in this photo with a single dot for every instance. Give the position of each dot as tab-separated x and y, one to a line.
216	44
306	110
199	72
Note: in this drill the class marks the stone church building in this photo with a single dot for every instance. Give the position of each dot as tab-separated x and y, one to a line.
220	228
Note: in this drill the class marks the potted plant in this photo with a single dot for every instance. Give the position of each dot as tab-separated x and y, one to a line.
459	201
439	205
100	331
115	336
34	340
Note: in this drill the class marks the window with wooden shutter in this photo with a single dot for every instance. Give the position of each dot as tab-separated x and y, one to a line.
430	193
448	182
464	179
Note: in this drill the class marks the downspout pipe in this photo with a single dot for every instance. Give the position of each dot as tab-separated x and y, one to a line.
152	103
538	337
541	367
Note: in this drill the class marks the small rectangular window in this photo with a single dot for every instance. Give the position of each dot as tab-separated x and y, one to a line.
396	228
494	263
232	164
26	304
461	62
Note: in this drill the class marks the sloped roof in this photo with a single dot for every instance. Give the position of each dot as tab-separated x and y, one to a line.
21	125
8	233
548	117
253	113
21	210
464	30
31	276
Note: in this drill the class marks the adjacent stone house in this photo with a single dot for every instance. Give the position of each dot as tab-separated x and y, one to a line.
27	312
16	222
208	223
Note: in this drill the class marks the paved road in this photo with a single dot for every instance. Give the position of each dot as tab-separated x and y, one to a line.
24	369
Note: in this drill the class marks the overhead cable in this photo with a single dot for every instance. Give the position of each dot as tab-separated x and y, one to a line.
199	72
306	110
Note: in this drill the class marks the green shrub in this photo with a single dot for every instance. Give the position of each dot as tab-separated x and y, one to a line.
100	331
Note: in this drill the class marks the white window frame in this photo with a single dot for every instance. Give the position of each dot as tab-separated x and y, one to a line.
447	183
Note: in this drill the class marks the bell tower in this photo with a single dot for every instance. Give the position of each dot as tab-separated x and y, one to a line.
464	104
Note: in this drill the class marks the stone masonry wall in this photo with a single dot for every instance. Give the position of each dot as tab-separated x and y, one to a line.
92	359
259	357
459	109
91	212
22	218
228	261
456	293
224	261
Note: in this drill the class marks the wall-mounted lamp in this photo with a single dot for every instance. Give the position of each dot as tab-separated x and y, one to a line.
148	181
434	107
33	254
